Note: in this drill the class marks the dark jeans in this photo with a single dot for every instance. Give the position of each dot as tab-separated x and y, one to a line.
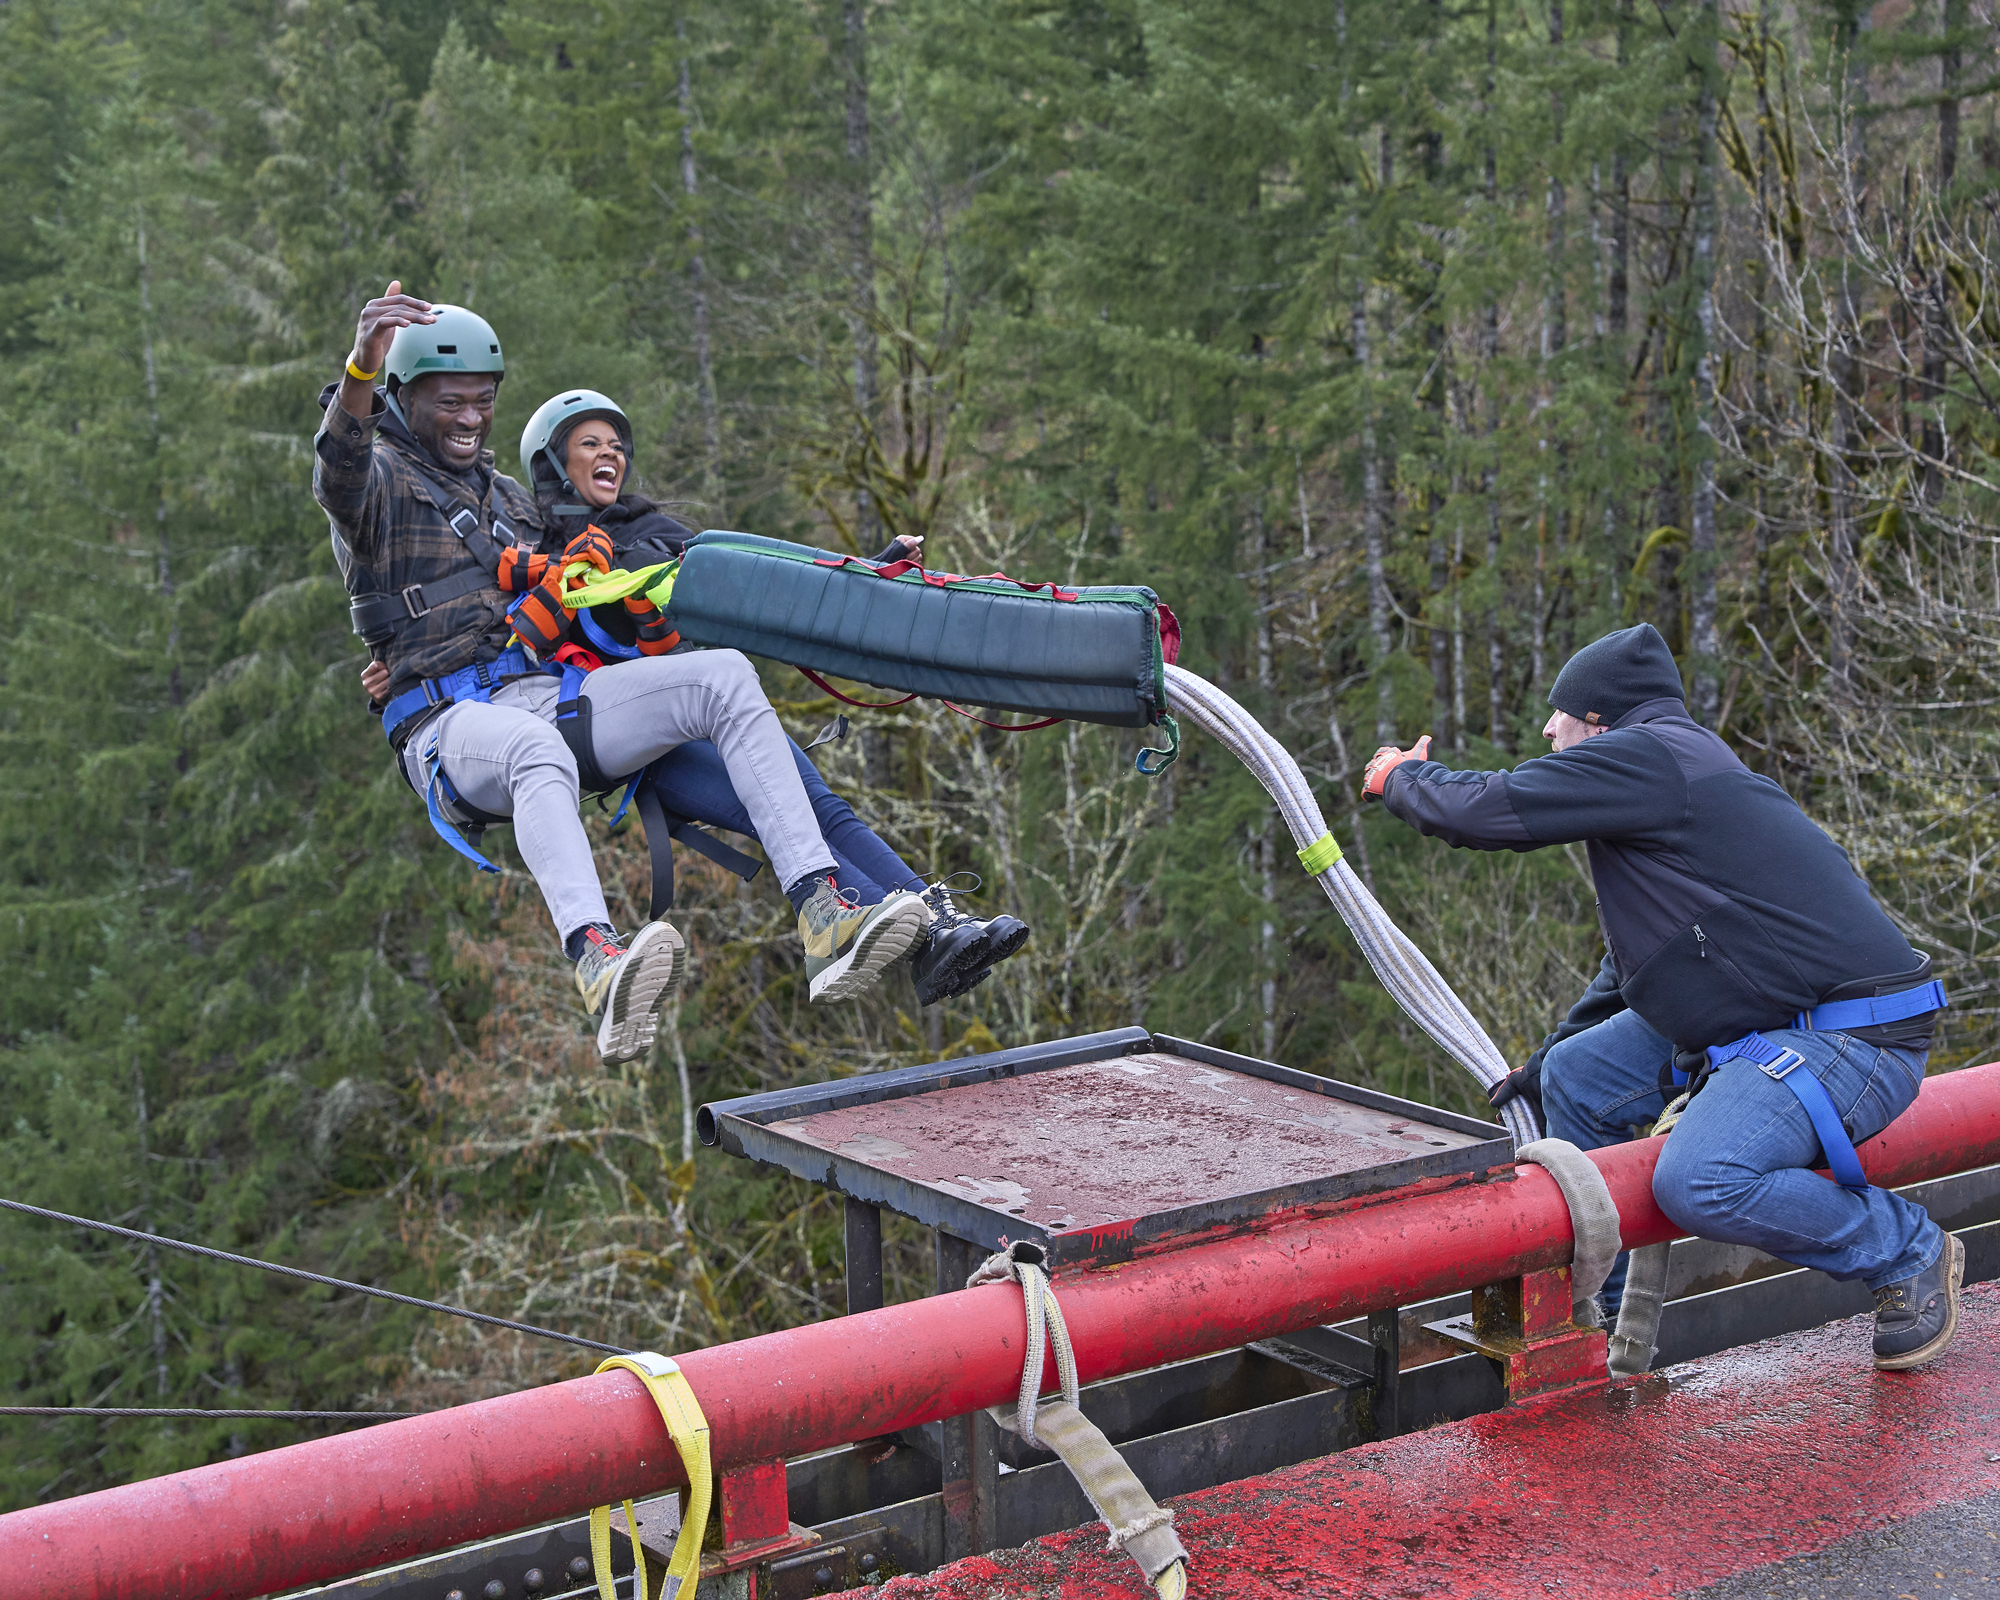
1737	1167
692	781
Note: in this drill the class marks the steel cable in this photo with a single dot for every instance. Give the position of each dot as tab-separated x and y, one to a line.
311	1277
1406	972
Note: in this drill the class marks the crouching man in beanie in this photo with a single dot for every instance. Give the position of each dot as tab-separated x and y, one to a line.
1746	960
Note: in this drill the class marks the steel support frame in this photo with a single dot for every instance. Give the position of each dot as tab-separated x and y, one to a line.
1524	1326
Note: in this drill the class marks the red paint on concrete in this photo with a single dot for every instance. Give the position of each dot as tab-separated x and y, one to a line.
1647	1489
330	1507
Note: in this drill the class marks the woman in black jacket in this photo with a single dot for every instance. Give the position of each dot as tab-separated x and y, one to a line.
576	454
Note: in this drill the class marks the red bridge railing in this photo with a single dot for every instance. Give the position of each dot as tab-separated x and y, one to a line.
330	1507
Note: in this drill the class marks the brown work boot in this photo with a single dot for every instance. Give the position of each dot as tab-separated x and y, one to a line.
1915	1319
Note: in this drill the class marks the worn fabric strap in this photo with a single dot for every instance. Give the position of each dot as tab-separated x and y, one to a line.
689	1430
1637	1338
1137	1524
1021	1262
1321	854
1592	1216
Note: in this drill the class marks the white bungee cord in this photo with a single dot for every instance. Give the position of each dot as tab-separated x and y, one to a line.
1405	971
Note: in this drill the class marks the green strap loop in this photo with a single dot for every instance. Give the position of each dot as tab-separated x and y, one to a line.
1166	757
657	583
1322	853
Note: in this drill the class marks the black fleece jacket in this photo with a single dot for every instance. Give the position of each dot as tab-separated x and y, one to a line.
1725	909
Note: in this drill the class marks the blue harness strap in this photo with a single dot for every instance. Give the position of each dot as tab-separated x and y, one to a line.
438	790
1844	1016
475	683
605	645
1788	1067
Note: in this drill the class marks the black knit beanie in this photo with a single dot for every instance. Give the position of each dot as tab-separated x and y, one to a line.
1603	681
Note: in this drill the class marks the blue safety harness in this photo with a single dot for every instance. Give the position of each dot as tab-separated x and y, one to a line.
1788	1067
476	682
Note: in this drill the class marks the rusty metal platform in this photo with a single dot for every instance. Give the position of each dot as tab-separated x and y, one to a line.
1094	1147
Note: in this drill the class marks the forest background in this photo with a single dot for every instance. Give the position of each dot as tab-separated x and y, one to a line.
1401	345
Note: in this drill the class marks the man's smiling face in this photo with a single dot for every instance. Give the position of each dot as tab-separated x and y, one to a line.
451	413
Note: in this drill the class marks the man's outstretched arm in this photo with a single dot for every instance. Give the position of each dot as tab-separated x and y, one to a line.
1623	785
344	450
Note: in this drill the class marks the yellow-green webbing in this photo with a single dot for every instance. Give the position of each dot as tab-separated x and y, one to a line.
655	583
689	1430
1319	855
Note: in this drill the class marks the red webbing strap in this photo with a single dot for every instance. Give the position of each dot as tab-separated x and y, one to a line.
574	655
1007	727
866	705
943	580
883	705
1170	634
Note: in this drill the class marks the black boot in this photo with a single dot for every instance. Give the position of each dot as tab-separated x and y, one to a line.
962	950
1915	1319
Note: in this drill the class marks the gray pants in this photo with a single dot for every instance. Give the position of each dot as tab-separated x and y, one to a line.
507	758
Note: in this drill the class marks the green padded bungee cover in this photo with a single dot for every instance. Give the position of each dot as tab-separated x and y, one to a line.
1091	654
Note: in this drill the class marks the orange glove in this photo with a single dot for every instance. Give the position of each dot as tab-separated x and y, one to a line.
520	570
592	545
540	621
656	635
1387	760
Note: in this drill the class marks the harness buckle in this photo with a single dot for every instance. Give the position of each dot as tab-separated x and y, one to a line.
465	523
1786	1060
413	601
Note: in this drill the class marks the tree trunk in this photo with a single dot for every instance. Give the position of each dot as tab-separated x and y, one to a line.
163	550
1843	534
861	270
1947	169
1458	636
1267	846
1549	526
1489	351
704	355
1373	537
155	1288
1760	380
1704	642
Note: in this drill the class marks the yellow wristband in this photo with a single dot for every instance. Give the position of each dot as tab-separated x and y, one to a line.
1319	855
358	375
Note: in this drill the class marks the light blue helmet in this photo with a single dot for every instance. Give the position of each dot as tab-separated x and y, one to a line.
459	341
553	418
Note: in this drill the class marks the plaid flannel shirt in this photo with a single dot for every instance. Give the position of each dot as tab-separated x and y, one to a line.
389	532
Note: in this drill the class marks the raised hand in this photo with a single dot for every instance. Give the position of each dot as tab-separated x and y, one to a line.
380	319
373	334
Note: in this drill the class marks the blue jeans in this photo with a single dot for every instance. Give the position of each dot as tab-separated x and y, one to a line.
1737	1167
692	781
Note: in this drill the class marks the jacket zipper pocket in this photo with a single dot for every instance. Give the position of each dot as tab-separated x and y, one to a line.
1700	940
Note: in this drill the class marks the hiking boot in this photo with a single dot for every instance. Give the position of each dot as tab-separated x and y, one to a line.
849	945
961	950
1915	1319
626	983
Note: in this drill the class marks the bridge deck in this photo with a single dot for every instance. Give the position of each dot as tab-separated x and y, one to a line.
1789	1467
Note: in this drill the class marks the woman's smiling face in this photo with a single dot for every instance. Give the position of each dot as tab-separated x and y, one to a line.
594	459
